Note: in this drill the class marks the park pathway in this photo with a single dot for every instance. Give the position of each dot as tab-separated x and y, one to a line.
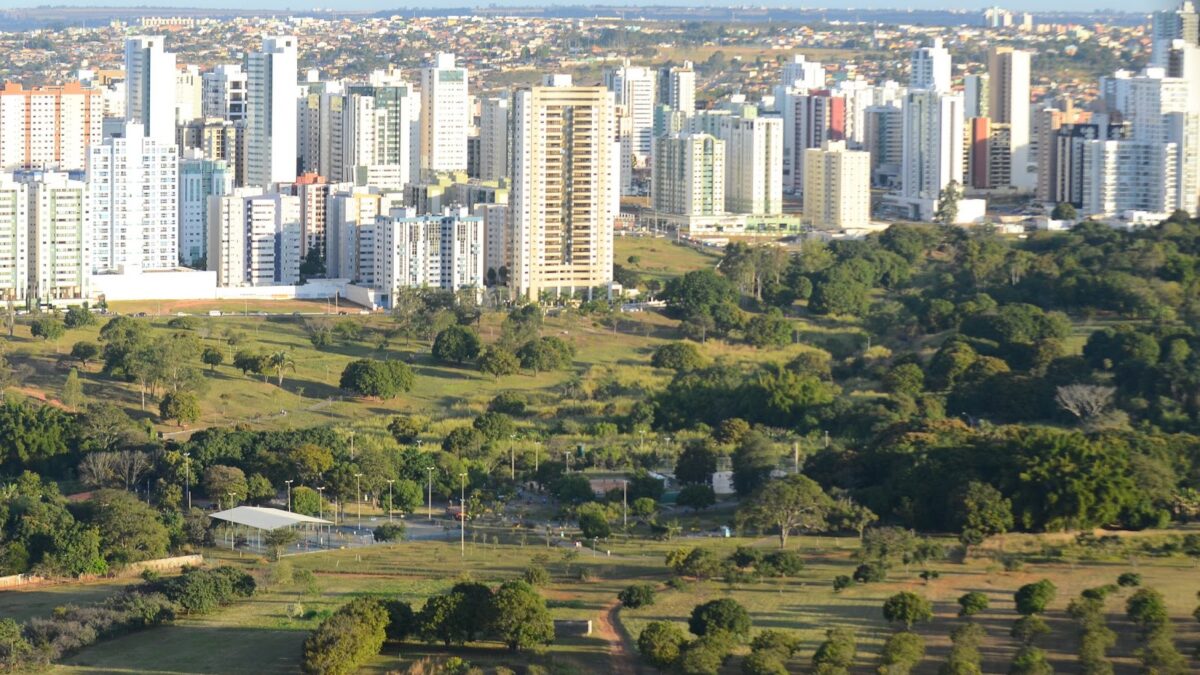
620	651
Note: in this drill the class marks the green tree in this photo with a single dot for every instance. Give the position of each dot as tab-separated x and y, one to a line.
220	481
129	530
183	407
771	329
306	501
78	317
498	362
792	504
593	522
1147	609
983	512
47	329
72	391
278	540
722	615
753	461
521	618
377	379
637	595
835	656
280	361
1064	211
677	356
972	603
698	292
696	497
660	643
907	608
457	343
212	357
1029	628
84	351
1030	660
696	464
906	378
1033	598
946	212
901	653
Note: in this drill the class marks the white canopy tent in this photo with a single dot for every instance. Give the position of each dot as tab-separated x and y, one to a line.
263	519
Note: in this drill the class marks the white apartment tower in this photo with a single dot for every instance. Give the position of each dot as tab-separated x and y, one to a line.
427	251
753	164
381	129
1131	175
133	198
223	93
634	89
150	86
493	138
837	191
1181	23
271	112
445	116
932	154
931	68
59	251
800	73
254	238
677	88
14	239
562	204
689	175
48	127
1008	103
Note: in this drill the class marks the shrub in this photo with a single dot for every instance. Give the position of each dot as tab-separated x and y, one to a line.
704	656
637	595
907	608
870	572
782	564
1029	628
746	556
1030	661
347	639
519	616
660	643
841	582
726	615
972	603
763	663
782	643
377	379
536	575
390	532
836	654
901	653
508	403
1129	579
1033	598
402	621
1147	609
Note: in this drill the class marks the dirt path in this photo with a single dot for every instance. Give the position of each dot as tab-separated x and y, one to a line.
620	651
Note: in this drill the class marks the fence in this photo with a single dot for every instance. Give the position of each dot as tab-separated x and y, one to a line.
132	570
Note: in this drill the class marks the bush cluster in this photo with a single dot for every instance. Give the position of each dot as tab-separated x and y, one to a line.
347	639
71	627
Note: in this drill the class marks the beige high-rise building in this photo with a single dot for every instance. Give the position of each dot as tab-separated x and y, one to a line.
564	188
60	265
837	186
48	127
14	239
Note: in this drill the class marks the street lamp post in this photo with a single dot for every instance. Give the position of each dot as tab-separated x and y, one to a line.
512	457
429	469
625	504
390	481
462	517
358	486
537	445
289	488
351	445
321	502
187	478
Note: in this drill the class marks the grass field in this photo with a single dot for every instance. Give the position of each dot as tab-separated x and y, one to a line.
258	636
660	258
39	601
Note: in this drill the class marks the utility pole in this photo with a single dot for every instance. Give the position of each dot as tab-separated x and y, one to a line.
625	505
321	502
358	484
537	445
512	457
351	445
187	478
430	470
462	517
390	481
289	484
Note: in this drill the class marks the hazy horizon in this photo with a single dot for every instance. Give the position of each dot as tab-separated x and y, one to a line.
379	5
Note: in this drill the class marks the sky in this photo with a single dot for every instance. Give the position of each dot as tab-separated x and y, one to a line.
1014	5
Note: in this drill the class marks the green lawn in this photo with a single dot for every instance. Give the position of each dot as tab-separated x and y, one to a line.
660	257
38	601
259	637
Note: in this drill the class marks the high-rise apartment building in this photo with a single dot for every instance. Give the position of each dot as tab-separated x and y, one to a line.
493	138
443	251
14	239
688	175
800	73
932	153
219	139
60	221
382	129
931	68
200	178
884	140
810	118
445	116
48	127
837	191
254	238
753	164
1130	175
634	90
1181	23
977	95
677	88
189	95
224	92
1008	104
134	202
271	112
562	203
150	86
